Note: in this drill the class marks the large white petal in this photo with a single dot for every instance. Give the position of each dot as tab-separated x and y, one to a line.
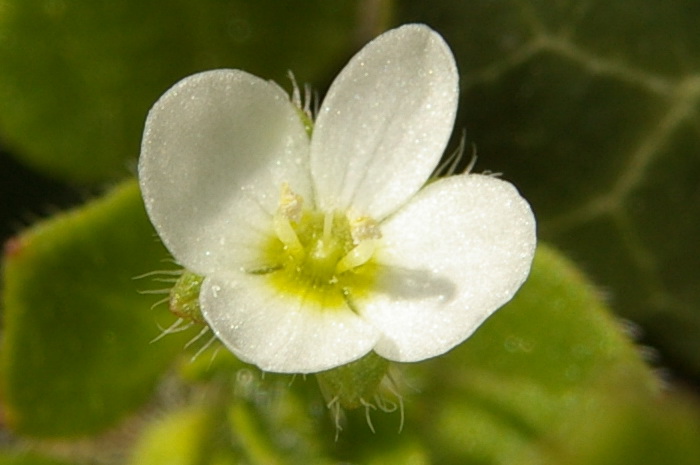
282	333
216	150
385	122
453	255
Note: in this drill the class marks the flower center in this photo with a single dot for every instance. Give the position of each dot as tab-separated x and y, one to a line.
323	256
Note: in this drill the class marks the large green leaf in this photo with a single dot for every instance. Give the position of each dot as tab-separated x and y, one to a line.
237	416
592	109
75	353
78	77
21	458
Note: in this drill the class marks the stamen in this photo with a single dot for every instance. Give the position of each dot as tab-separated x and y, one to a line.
286	234
362	228
291	204
359	255
348	301
327	227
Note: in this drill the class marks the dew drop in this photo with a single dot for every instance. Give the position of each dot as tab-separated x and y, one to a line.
215	290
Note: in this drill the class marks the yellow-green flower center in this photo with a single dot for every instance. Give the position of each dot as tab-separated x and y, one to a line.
320	256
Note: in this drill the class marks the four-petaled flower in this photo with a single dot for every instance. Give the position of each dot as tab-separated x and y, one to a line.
317	249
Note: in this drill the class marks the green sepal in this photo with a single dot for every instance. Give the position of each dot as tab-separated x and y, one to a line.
184	298
355	384
307	121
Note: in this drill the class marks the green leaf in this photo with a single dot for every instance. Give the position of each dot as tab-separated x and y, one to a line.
21	458
591	108
408	452
76	353
661	431
183	437
352	384
78	77
246	421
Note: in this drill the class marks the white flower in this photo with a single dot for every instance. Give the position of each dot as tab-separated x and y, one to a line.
317	250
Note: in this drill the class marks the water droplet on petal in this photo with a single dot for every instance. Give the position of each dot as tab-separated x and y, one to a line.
215	291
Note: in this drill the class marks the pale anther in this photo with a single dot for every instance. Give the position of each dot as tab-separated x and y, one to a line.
363	228
286	234
289	211
291	204
357	256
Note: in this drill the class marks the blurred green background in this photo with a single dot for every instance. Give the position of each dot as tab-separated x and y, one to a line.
589	107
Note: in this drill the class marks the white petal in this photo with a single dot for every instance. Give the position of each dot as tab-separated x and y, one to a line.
385	122
216	150
455	253
282	333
